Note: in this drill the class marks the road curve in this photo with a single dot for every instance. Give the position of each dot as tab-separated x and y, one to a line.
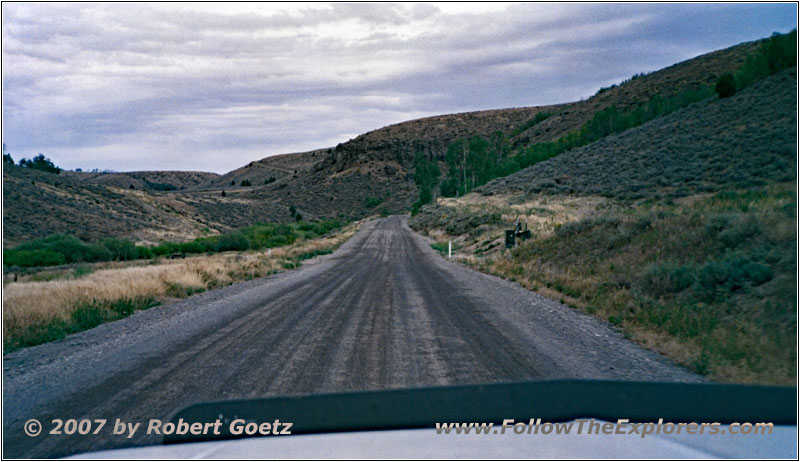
384	311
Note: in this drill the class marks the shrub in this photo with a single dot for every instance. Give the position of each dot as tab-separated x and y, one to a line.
663	279
726	85
120	249
29	258
739	231
371	202
144	252
164	248
195	246
235	240
245	183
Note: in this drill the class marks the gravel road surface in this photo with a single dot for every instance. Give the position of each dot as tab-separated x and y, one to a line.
384	311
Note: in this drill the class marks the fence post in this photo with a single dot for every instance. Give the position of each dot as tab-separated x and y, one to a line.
449	249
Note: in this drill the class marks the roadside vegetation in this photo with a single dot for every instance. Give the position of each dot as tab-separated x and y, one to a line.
63	249
60	302
680	232
708	280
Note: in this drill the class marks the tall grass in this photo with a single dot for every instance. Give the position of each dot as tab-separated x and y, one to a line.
38	312
708	280
716	276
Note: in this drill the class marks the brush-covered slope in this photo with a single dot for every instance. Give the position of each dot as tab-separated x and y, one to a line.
746	140
37	204
701	70
144	181
370	174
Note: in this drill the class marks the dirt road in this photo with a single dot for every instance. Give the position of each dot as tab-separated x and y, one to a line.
384	311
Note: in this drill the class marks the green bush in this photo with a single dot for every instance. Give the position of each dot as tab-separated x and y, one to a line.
120	249
245	183
61	249
196	246
30	258
664	279
371	202
235	240
40	252
144	252
726	85
82	270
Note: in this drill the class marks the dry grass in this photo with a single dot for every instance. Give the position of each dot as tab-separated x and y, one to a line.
29	305
707	280
543	214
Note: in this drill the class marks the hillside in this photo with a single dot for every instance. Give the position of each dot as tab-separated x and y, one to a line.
681	232
701	70
143	181
38	204
262	171
739	142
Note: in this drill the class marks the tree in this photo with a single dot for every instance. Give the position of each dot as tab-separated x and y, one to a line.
726	85
40	162
7	156
426	176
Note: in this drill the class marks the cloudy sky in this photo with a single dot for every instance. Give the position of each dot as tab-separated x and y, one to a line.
214	86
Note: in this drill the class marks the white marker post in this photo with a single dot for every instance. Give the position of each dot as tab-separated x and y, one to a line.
449	249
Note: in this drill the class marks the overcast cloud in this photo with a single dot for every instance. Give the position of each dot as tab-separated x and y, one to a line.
214	86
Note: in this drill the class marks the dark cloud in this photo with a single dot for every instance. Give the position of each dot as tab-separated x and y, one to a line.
135	86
